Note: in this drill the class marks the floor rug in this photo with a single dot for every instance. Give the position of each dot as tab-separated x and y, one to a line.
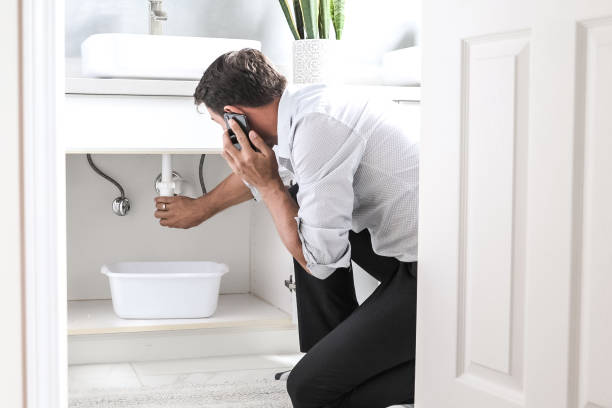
252	393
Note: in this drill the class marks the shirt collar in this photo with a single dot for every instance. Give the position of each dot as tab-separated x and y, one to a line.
285	119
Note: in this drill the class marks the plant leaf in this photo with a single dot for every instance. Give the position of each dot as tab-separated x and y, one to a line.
287	11
338	17
331	9
310	11
324	18
299	17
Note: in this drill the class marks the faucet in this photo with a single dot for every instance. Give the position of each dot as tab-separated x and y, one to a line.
156	16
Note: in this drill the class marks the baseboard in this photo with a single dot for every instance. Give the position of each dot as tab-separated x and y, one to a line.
179	344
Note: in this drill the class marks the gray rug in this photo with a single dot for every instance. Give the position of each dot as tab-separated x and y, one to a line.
256	393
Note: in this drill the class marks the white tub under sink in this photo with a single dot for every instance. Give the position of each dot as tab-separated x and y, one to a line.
159	290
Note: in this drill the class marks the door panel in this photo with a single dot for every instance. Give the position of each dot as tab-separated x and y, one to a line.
493	199
515	236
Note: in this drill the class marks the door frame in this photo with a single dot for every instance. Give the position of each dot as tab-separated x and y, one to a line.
42	89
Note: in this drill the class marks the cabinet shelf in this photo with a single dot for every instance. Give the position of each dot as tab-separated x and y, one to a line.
233	311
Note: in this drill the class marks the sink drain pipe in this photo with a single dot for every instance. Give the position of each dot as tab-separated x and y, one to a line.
166	186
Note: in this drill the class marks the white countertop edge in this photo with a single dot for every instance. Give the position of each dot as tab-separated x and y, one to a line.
142	150
117	86
184	88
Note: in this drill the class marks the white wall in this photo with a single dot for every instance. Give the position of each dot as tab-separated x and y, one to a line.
370	29
11	350
97	236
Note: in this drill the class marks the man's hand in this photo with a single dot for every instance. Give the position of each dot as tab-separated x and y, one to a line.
259	169
181	211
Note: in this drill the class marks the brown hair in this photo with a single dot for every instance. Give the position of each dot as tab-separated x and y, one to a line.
244	77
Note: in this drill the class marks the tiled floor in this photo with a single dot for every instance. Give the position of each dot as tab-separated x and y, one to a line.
155	373
196	371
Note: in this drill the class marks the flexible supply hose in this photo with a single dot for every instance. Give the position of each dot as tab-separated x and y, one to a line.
121	191
202	175
102	174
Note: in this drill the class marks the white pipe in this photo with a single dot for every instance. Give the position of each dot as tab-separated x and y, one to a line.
166	187
166	168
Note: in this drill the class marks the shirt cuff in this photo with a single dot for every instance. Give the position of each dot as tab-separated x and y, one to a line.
254	191
321	261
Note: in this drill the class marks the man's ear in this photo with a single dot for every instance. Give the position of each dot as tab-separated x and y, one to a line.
233	109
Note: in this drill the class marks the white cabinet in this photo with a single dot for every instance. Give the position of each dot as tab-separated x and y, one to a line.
254	314
126	125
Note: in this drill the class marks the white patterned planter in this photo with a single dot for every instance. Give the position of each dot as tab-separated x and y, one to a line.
316	61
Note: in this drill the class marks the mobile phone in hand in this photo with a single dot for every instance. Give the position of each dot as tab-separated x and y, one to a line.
244	125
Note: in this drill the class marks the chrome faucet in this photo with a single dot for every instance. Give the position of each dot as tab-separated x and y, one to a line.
156	17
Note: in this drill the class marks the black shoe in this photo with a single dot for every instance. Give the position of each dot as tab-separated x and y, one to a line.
282	376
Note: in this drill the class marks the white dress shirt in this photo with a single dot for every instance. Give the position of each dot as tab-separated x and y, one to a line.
357	167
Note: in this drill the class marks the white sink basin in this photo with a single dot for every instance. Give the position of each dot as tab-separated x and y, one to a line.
154	56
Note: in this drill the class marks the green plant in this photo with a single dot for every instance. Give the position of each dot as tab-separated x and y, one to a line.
337	16
310	19
324	18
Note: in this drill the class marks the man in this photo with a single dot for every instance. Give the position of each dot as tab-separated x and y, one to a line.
356	170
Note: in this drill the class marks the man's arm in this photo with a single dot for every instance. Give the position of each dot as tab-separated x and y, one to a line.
325	155
284	210
260	169
185	212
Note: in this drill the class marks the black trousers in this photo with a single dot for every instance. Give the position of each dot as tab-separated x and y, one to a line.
356	355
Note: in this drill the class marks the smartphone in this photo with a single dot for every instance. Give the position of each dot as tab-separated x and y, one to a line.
244	125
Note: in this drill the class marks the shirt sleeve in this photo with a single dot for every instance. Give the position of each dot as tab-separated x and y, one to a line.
325	154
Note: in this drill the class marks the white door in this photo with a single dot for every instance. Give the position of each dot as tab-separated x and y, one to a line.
515	244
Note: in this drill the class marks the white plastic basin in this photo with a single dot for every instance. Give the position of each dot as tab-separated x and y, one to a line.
154	56
164	290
